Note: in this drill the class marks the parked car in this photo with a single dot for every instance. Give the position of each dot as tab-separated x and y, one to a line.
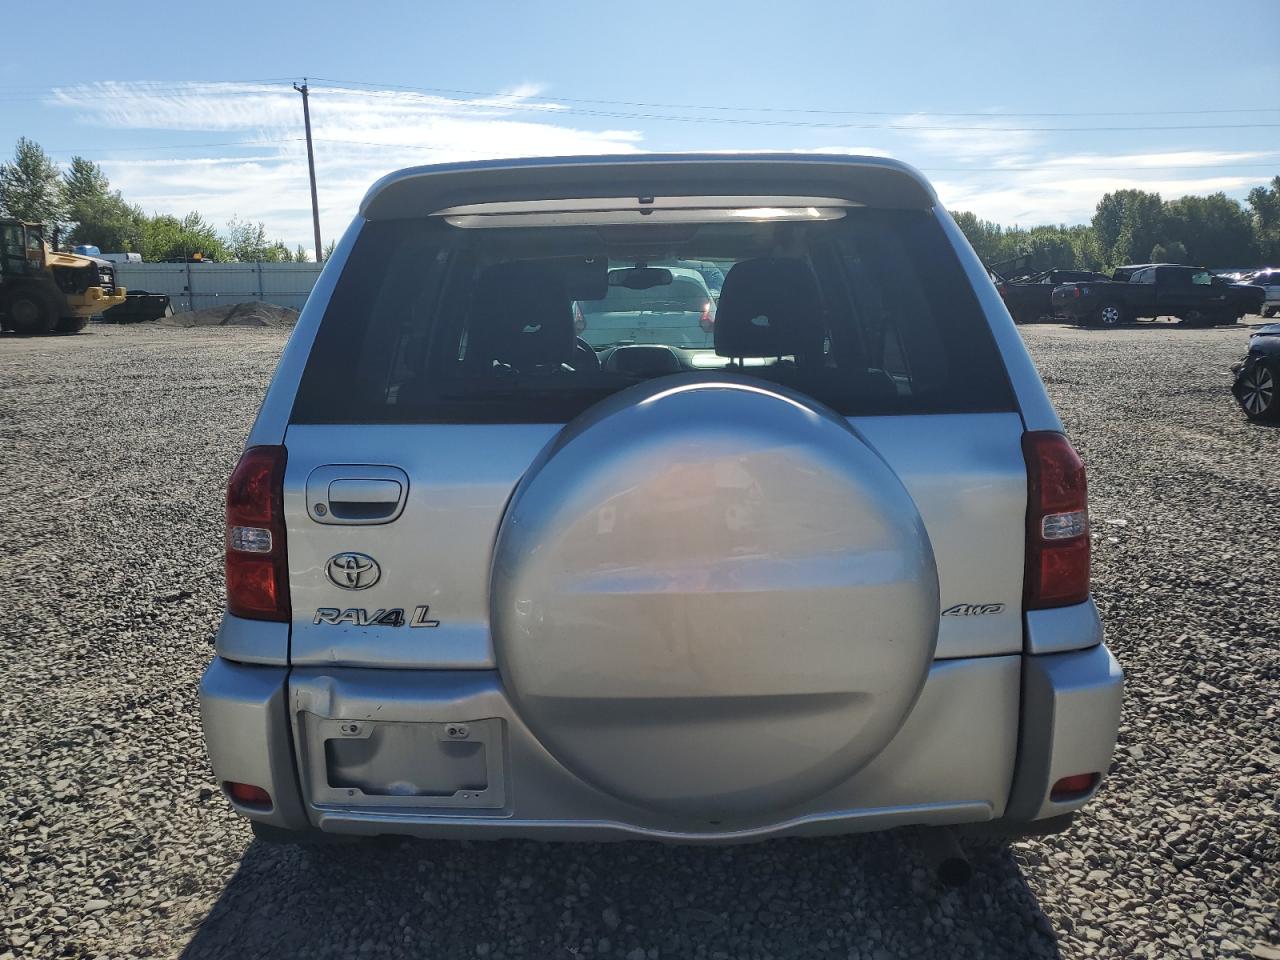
1269	281
1257	377
1122	274
1235	274
672	307
1029	298
711	274
1192	294
826	573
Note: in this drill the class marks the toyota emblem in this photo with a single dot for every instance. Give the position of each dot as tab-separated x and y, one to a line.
352	571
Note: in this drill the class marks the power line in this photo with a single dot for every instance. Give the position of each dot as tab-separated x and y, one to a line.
1064	168
522	107
177	146
1043	168
869	113
505	102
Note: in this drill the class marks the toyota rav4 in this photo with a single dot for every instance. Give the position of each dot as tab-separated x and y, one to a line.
812	558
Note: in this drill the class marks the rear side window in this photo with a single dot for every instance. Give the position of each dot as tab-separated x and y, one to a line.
431	322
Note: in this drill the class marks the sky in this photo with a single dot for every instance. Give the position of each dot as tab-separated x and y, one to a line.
1022	112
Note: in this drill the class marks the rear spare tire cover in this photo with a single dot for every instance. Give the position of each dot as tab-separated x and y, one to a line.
712	598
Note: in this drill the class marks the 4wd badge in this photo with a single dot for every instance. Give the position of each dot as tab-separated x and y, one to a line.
973	610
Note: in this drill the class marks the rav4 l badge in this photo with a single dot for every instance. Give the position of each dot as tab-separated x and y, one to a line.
359	617
352	571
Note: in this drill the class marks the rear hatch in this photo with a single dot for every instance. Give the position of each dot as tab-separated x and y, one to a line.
446	364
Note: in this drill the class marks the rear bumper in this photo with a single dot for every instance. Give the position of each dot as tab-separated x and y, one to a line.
952	762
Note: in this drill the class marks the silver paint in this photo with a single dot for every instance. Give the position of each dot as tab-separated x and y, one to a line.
1076	627
713	596
273	416
1033	401
1070	718
949	758
952	761
252	641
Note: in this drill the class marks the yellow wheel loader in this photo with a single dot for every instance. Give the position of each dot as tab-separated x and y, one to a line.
42	291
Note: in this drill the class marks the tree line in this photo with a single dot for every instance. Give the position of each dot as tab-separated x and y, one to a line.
79	207
1135	226
1128	226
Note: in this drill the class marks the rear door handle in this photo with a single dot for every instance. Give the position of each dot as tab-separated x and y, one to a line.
349	494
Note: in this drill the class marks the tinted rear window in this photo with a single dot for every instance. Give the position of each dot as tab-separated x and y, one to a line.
434	323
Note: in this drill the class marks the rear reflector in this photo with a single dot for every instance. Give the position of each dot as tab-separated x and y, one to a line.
257	563
1057	564
1072	787
248	794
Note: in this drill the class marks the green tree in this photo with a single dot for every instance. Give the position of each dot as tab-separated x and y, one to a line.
300	254
985	237
1214	231
1087	250
1047	248
248	243
97	214
1128	223
1265	205
1171	252
166	237
31	187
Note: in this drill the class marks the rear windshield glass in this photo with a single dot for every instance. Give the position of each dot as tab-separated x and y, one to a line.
435	323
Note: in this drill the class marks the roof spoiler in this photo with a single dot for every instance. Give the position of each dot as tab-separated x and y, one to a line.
867	181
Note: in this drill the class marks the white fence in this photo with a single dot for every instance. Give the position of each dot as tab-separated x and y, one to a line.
198	286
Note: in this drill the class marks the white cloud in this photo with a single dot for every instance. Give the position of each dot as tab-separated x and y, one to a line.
851	151
985	141
1057	190
1011	176
359	136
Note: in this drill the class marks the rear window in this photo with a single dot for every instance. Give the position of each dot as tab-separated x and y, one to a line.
430	322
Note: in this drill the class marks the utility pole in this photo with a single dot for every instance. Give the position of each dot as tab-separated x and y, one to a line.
311	167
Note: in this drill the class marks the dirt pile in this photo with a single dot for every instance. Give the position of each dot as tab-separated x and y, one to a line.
254	313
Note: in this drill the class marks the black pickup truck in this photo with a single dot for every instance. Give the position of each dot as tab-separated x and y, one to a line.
1028	297
1191	294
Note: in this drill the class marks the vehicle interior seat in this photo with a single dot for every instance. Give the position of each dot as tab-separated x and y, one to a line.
773	308
521	320
770	307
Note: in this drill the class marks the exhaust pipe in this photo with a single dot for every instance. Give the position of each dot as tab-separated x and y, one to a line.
943	855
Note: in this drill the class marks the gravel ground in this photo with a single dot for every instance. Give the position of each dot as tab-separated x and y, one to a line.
116	444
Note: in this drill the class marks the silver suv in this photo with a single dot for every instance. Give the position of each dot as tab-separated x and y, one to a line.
810	559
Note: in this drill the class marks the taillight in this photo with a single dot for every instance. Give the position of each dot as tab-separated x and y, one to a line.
579	321
1057	567
708	319
257	564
